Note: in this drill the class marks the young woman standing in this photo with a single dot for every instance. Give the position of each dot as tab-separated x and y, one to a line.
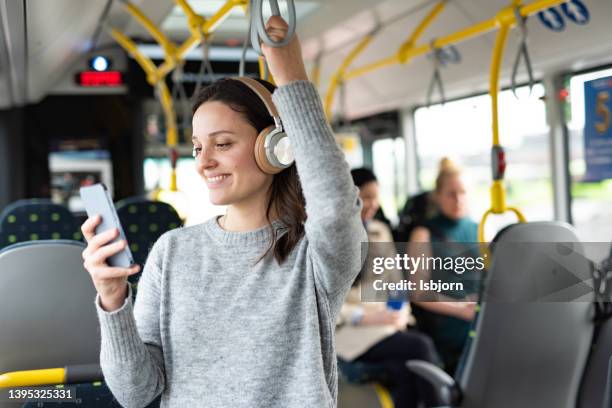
240	311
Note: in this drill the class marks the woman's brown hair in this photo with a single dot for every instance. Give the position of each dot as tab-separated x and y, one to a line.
286	196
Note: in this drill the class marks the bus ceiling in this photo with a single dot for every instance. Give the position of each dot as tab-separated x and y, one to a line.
43	43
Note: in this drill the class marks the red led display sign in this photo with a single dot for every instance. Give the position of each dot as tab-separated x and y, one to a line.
100	79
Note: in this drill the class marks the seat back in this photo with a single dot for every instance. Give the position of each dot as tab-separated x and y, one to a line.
528	352
593	389
37	219
608	397
47	312
143	222
363	396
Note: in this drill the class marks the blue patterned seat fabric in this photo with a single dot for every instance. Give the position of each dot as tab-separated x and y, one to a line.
37	219
143	222
88	395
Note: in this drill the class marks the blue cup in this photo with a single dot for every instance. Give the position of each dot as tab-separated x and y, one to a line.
395	304
396	300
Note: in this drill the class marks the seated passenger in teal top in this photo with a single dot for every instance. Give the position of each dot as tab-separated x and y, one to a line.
446	319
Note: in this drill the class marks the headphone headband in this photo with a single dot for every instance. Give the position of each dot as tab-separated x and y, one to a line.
263	93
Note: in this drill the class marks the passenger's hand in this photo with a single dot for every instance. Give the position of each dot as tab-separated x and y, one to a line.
466	310
110	282
285	63
397	318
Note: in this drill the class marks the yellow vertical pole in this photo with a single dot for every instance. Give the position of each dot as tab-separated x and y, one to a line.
337	78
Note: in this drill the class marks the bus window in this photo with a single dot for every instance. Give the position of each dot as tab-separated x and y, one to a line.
191	201
590	201
461	130
388	157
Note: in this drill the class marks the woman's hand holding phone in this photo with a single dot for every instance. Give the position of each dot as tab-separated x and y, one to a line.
110	282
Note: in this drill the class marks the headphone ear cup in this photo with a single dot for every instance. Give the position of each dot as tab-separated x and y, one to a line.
260	152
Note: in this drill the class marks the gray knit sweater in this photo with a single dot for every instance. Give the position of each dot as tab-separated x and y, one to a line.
213	328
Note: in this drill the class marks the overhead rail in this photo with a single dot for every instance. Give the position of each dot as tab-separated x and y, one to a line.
155	81
205	26
342	75
199	28
404	55
503	21
338	77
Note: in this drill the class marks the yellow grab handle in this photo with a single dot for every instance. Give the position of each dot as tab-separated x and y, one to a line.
484	248
33	377
383	396
519	215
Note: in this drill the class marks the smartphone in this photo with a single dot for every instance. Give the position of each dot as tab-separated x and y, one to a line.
97	200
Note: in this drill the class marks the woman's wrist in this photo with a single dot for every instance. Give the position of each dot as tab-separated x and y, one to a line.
288	79
113	303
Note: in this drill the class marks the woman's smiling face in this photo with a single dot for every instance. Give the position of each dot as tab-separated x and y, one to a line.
224	143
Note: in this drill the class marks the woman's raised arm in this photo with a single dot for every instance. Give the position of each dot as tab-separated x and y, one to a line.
333	227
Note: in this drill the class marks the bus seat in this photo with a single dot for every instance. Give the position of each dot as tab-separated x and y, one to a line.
363	396
47	311
90	395
524	353
608	399
48	317
356	388
143	222
593	389
37	219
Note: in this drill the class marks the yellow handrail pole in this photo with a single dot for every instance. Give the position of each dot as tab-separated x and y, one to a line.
465	34
212	23
163	41
166	101
338	76
426	22
207	27
384	397
194	20
131	48
28	378
505	20
315	73
261	61
375	66
171	131
149	68
261	64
